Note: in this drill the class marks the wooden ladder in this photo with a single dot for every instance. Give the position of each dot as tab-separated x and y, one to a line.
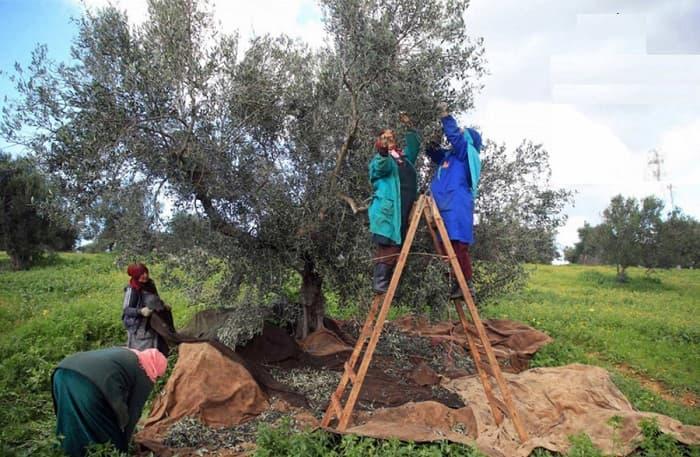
372	329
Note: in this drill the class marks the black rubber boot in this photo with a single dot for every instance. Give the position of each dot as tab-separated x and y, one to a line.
381	277
472	291
456	292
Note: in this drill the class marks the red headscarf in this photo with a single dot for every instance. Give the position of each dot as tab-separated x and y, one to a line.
135	270
396	153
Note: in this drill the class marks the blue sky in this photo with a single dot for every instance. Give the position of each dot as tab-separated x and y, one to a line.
24	24
599	83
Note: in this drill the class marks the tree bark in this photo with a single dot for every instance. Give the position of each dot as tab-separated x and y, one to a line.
312	299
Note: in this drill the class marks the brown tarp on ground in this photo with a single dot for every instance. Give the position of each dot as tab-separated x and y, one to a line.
210	382
385	384
419	422
323	342
513	343
554	403
205	384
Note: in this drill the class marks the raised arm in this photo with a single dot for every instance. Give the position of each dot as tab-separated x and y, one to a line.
412	145
435	152
455	137
412	138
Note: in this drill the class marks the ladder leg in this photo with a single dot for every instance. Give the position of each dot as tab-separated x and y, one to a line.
416	214
497	415
359	344
481	332
431	230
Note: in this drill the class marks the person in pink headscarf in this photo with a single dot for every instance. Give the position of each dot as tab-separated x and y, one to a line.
98	396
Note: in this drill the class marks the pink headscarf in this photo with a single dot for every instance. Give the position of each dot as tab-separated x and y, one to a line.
153	363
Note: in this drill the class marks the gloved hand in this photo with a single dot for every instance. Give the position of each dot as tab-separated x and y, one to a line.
405	119
442	109
432	145
145	311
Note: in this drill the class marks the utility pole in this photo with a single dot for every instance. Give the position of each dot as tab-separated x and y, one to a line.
655	162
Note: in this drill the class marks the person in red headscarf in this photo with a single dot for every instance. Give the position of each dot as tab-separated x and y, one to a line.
140	301
393	177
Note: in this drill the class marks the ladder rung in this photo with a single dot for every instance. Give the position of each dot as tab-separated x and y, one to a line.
501	405
336	405
425	206
350	372
487	368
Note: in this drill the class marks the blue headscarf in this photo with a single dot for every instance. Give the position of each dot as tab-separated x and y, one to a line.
476	138
474	144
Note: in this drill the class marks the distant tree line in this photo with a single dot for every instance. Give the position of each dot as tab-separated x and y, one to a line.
31	220
636	232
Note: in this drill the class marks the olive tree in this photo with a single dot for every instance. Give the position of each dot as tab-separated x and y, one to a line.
262	155
269	148
32	220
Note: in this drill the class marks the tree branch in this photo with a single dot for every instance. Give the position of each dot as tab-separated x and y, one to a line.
353	204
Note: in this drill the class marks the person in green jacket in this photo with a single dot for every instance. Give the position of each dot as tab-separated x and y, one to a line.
395	185
98	396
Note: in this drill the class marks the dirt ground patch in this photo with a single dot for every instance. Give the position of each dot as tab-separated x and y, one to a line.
687	398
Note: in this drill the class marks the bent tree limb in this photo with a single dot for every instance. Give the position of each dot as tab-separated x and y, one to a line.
353	204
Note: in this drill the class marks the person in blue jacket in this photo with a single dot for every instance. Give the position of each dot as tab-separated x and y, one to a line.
395	185
454	188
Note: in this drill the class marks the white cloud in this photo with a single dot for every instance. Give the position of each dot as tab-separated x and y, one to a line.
588	157
296	18
136	10
568	235
582	150
579	78
680	147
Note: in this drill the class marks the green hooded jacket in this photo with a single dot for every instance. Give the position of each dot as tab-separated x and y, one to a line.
385	209
116	373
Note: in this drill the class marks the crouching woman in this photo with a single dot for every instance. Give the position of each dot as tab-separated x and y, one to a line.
99	395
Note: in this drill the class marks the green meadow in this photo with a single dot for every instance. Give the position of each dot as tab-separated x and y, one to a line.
646	332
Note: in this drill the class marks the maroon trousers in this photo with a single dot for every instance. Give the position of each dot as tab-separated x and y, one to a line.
463	257
388	254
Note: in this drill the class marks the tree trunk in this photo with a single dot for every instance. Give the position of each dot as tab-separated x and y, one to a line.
314	305
621	273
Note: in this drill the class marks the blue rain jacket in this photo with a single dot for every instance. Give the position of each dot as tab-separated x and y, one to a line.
455	181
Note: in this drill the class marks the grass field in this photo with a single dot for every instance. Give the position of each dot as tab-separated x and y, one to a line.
70	303
646	331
